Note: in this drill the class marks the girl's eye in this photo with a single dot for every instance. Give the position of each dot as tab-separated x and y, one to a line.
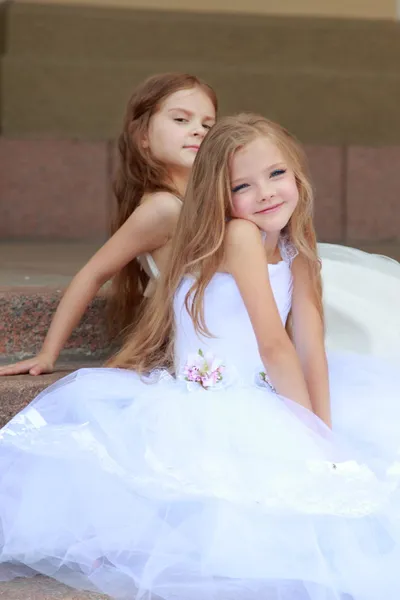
278	172
207	126
180	120
242	186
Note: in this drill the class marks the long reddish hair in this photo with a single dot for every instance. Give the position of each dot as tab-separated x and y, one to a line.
140	173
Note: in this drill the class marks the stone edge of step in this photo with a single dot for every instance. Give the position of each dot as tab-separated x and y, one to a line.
43	588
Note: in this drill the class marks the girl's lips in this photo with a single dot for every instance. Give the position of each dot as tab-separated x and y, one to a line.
270	209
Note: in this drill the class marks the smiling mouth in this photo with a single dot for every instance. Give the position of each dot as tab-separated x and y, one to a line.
192	147
269	209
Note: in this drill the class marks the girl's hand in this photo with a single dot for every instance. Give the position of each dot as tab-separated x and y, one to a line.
42	363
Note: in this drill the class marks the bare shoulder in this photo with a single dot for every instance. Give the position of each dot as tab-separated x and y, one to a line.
243	249
163	203
156	216
240	231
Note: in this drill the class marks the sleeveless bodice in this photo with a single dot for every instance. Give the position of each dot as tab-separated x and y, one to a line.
148	264
227	319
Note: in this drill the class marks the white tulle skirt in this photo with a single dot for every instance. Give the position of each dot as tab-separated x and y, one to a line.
140	490
361	301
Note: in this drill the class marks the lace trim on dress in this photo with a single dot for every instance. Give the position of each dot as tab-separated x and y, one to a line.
288	249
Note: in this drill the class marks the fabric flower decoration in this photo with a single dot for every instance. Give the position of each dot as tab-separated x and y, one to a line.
204	369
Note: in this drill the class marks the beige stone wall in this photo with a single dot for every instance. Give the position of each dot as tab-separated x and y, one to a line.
369	9
330	81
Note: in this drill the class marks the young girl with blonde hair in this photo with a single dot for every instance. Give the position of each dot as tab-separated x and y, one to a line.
201	464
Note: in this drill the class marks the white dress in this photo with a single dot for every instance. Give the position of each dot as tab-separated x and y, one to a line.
163	489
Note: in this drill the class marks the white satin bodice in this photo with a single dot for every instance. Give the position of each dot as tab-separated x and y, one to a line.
227	319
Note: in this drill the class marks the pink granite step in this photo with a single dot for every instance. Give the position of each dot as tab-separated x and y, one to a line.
42	588
25	317
33	277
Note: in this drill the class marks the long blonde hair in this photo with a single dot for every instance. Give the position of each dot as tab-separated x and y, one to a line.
140	173
198	244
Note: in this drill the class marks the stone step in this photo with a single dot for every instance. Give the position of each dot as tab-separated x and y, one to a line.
25	316
33	277
42	588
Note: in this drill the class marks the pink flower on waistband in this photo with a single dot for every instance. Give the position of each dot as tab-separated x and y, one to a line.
204	369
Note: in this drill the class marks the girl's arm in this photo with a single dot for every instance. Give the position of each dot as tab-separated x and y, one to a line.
308	337
246	260
148	228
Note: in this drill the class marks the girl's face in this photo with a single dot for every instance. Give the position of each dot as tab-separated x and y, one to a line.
264	188
177	129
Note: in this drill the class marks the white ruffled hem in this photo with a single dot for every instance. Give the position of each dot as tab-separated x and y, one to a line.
140	490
